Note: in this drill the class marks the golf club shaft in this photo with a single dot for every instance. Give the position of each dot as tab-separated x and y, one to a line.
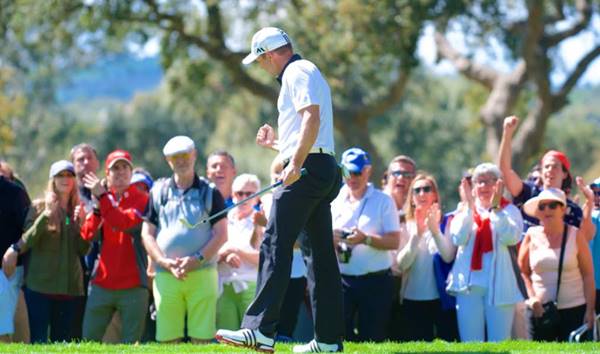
257	194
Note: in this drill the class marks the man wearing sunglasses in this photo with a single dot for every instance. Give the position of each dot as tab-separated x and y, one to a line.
366	229
400	173
595	242
184	258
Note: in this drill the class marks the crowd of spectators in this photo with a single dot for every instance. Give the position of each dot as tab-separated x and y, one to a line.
125	258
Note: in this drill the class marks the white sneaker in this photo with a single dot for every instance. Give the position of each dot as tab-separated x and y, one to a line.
315	347
247	338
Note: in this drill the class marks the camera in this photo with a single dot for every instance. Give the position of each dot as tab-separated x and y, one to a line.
344	250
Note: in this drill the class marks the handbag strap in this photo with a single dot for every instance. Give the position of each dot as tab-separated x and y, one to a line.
561	259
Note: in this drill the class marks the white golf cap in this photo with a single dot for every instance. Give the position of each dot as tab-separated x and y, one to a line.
177	145
59	166
265	40
549	194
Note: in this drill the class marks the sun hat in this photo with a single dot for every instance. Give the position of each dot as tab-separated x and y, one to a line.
531	206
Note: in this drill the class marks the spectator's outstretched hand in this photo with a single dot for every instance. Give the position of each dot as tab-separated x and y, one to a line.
510	125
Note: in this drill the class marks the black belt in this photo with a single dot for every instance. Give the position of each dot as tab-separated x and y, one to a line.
372	274
315	150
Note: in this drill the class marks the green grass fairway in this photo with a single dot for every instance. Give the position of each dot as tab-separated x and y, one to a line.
411	347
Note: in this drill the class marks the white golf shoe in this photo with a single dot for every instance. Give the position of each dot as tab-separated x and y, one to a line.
247	338
315	347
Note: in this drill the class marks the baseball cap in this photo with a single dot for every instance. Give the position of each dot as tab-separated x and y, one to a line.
556	194
265	40
117	155
596	183
355	159
59	166
177	145
560	156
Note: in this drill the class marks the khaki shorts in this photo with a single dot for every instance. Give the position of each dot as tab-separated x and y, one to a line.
196	295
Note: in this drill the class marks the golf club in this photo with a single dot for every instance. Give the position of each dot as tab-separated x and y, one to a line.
186	223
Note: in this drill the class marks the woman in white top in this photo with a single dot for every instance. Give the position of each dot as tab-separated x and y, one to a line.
539	261
238	258
483	278
419	291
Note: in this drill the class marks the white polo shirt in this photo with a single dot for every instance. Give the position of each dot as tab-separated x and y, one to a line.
375	214
302	85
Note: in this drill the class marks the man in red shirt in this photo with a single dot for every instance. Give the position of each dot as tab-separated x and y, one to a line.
119	282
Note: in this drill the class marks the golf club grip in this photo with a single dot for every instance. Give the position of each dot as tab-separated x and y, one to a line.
303	172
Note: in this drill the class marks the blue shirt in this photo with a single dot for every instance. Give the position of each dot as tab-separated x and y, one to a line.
595	247
164	211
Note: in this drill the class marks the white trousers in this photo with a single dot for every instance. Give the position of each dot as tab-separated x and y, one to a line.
474	315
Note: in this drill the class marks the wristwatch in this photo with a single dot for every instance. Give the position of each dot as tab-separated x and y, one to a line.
368	240
15	247
198	255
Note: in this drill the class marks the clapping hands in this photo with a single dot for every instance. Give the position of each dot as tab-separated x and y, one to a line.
93	183
433	217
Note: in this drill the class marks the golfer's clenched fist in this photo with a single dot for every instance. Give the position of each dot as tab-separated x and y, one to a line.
265	137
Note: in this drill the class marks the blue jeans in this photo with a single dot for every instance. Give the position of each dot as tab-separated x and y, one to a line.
44	311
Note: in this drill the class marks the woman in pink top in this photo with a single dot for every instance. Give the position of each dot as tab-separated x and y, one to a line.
539	262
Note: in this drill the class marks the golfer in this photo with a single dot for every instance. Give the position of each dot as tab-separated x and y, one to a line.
305	126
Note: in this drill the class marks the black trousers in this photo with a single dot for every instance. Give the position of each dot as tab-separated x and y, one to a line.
570	319
426	319
367	305
294	296
304	205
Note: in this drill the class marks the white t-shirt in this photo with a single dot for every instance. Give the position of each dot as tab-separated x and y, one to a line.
375	214
420	282
239	234
302	85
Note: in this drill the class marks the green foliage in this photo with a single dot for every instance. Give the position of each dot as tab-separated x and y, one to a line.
437	129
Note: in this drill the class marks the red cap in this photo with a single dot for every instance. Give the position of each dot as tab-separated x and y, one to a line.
560	156
117	155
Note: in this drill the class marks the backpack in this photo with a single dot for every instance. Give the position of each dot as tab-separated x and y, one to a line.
206	192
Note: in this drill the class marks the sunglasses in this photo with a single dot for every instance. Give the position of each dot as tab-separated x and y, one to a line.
551	205
181	155
65	174
424	189
243	194
356	174
404	174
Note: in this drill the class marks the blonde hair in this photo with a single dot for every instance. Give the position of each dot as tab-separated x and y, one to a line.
409	206
50	204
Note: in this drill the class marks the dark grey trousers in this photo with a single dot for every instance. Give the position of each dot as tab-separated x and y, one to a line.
304	205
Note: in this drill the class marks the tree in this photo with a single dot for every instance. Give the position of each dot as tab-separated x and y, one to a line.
366	49
531	41
12	104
